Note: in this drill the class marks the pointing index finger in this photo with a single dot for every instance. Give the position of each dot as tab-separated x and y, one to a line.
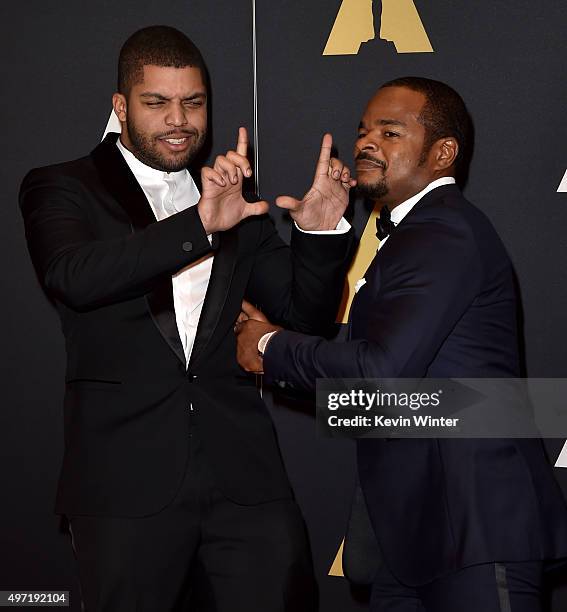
325	155
242	145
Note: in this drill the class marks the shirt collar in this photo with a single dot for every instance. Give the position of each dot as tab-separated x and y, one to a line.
145	173
401	210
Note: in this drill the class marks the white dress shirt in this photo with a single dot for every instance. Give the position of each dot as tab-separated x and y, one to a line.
169	193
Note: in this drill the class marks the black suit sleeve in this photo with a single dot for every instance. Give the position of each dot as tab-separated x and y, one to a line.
427	283
300	290
84	272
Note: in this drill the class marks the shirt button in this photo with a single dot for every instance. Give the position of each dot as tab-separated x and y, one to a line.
187	246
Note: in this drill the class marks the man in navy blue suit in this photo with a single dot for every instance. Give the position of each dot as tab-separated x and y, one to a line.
462	524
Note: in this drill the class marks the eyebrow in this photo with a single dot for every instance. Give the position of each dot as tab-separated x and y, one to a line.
385	122
149	94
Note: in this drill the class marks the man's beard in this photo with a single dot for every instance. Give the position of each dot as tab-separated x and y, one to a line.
378	189
145	148
373	191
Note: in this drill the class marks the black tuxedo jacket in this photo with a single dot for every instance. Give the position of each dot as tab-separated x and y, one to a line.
107	264
439	302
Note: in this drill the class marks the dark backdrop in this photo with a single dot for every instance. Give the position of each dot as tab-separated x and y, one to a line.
58	65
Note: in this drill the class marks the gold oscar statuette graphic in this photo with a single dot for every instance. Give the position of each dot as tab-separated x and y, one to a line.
364	255
400	23
337	567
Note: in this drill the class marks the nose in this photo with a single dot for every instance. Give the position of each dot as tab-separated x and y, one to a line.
176	116
366	143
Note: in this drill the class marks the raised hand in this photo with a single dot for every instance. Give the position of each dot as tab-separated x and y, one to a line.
324	204
221	205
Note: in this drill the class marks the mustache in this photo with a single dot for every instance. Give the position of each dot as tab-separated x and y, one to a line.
362	156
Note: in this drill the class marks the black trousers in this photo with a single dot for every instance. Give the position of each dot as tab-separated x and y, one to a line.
490	587
201	553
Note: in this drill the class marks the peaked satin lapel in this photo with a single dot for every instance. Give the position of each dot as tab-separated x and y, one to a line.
118	179
217	292
160	301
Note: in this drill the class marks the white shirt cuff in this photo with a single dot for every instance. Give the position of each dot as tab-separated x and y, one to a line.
343	227
263	342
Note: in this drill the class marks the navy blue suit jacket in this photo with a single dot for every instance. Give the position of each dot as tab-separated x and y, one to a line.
439	302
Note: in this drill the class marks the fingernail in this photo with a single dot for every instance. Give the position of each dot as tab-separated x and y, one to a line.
248	172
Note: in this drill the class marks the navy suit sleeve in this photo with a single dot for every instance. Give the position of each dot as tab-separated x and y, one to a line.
427	280
85	272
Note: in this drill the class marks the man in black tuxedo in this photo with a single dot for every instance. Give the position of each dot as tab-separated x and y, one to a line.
172	474
462	524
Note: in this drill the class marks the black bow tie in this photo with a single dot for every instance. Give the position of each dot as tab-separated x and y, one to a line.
384	224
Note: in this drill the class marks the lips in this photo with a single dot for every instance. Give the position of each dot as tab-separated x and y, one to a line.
367	164
175	142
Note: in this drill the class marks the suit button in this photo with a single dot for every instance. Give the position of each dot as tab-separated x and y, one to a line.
187	246
192	377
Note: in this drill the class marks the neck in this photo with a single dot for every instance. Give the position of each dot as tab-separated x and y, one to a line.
392	204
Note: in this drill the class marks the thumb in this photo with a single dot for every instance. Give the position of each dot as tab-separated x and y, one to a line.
257	208
288	202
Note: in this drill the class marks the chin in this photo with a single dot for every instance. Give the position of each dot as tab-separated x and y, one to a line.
171	164
175	165
372	190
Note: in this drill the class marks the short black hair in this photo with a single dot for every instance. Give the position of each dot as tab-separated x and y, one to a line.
443	114
156	46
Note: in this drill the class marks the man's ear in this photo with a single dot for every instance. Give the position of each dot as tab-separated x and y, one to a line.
446	151
120	106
